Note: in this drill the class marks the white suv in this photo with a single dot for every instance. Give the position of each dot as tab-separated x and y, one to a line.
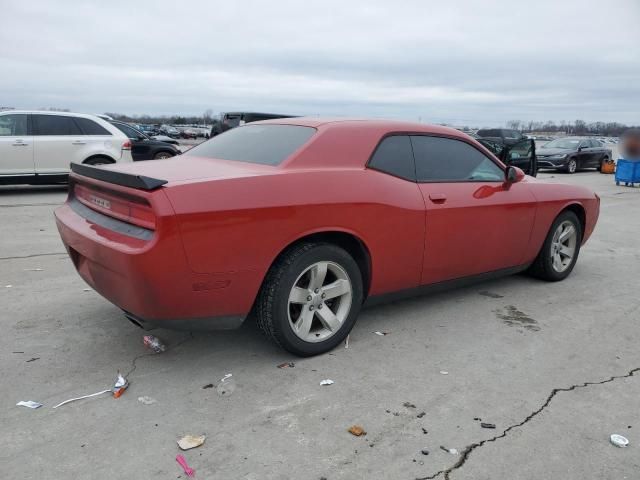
37	147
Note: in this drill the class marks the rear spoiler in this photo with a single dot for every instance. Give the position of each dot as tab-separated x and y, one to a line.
119	178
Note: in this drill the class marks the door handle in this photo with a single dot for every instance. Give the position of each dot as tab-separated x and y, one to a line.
20	143
437	197
79	142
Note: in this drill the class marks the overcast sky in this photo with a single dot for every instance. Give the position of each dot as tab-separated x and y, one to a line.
461	62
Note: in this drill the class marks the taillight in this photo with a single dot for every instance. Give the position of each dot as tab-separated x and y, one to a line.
126	145
127	208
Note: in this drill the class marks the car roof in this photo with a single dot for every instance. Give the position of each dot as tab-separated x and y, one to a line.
53	112
366	124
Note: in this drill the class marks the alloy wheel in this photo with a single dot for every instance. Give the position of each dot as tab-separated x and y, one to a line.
572	166
563	246
319	301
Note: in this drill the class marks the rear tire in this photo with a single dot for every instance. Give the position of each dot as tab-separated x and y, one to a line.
310	298
558	255
98	161
162	155
572	166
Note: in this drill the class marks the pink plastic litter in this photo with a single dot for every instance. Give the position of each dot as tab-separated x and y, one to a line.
187	469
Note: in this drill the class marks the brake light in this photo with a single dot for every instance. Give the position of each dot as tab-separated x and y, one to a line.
133	210
126	145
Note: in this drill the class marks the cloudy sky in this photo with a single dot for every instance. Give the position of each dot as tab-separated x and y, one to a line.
461	62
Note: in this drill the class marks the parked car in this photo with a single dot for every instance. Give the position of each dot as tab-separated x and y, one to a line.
505	136
143	147
189	133
148	130
169	131
37	147
332	215
231	120
572	154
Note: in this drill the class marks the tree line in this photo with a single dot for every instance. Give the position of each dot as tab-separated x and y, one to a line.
577	127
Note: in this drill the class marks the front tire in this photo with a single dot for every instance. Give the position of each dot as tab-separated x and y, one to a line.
560	250
162	156
310	298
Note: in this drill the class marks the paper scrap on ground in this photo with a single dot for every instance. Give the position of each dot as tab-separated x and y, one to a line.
328	381
28	404
147	400
191	441
382	334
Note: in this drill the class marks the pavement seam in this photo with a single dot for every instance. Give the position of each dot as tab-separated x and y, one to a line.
32	256
464	456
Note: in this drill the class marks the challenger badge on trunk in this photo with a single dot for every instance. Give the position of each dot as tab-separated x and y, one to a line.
101	202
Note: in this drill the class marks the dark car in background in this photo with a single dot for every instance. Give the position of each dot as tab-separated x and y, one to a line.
231	120
506	136
572	154
143	147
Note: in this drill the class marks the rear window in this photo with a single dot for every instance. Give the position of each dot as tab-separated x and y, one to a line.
264	144
89	127
489	133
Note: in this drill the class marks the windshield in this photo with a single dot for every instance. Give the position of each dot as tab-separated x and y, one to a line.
566	143
264	144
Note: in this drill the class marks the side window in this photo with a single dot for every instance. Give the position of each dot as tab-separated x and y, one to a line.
89	127
13	125
394	156
441	159
54	125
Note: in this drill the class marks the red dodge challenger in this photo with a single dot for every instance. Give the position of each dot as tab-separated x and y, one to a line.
303	221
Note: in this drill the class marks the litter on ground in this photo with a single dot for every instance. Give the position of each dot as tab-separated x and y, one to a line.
287	365
153	343
191	441
118	389
619	440
444	372
488	425
190	472
28	404
147	400
356	430
328	381
382	334
226	386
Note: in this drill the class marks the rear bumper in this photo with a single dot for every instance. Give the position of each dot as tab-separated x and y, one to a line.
149	278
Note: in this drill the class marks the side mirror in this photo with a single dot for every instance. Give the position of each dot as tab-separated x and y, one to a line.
513	174
580	149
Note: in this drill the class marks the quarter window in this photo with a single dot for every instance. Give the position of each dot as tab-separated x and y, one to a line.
441	159
54	125
89	127
130	132
14	125
394	156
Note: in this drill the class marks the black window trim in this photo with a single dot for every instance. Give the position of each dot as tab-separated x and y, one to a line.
438	135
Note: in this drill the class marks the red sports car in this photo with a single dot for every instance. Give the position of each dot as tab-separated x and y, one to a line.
303	221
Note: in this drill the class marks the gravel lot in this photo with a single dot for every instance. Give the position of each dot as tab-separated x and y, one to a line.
549	364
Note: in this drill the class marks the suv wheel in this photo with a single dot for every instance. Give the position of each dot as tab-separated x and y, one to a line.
98	161
311	298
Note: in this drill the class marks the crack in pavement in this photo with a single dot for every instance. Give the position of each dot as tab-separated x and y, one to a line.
464	456
32	256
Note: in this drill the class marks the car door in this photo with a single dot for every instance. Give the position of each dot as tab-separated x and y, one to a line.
475	221
16	147
595	149
584	154
521	154
57	142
